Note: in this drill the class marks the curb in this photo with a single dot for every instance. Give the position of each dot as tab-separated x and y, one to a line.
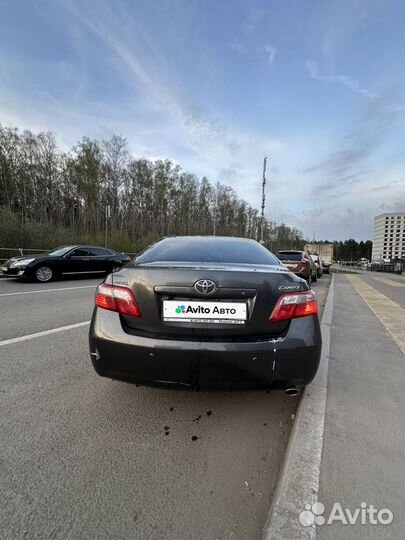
298	483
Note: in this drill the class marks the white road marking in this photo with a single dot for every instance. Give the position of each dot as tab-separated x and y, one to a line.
388	312
49	290
388	281
44	333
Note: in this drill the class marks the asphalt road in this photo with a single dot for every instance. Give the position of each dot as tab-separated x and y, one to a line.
34	307
84	457
391	285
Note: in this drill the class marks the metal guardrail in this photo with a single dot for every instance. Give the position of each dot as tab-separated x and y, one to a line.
346	269
393	267
18	252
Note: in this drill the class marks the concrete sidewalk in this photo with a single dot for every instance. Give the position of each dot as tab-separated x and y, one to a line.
363	459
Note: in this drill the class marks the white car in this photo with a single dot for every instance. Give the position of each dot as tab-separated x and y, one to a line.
318	264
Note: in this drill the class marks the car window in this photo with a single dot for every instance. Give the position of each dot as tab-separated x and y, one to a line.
97	252
80	252
208	249
289	256
59	252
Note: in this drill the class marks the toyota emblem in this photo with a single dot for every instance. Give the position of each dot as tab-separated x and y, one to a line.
205	286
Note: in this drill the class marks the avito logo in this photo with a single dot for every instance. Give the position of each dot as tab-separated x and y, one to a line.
217	310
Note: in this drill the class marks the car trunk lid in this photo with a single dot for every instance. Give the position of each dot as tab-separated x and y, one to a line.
161	290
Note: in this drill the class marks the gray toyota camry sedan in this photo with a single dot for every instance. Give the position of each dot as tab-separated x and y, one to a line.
206	312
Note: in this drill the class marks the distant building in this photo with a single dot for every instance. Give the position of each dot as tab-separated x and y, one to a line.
389	236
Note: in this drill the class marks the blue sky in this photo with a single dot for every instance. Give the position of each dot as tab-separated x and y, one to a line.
317	86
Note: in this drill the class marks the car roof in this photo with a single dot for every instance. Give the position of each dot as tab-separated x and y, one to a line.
88	246
78	246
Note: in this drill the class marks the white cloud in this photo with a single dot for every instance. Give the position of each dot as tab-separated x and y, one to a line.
349	213
210	145
238	47
271	51
161	116
312	68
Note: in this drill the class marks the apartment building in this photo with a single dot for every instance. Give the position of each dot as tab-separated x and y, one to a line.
389	236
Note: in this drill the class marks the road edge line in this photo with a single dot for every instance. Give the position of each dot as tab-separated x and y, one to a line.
38	291
43	333
298	483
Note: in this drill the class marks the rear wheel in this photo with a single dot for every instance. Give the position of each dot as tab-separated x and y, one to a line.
314	277
44	274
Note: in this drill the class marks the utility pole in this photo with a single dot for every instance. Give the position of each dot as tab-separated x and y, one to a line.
215	212
107	217
263	200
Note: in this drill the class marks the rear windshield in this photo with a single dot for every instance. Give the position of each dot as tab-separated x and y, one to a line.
289	256
208	249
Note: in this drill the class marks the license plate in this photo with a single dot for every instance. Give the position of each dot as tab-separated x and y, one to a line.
292	266
4	269
205	312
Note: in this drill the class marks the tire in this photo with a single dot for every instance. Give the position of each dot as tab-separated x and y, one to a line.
309	279
315	278
44	274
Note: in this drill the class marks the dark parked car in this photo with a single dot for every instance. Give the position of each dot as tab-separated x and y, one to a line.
63	261
206	312
299	262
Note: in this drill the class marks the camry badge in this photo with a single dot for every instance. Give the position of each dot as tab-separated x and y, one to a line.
205	286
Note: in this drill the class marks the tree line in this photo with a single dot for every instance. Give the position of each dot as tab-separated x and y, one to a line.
350	250
50	197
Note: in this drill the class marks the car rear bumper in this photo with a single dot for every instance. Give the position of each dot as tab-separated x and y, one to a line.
200	365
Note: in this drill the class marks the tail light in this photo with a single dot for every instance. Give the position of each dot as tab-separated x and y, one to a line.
291	306
305	262
119	299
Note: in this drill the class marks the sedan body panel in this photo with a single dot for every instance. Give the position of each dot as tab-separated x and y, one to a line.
201	365
152	285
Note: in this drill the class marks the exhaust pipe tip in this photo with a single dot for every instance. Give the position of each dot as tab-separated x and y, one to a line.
291	390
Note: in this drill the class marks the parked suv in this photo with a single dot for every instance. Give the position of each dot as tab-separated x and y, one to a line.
299	262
